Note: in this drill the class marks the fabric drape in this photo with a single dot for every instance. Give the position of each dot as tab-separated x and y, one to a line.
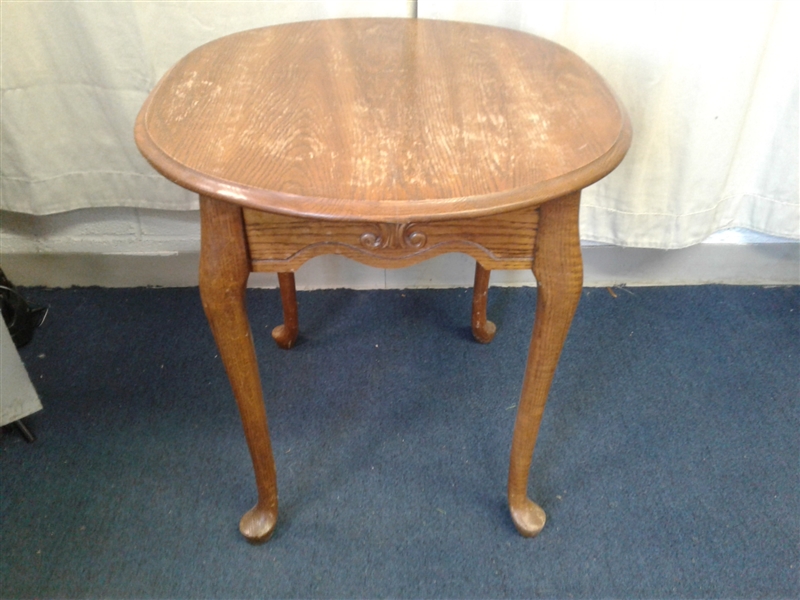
74	75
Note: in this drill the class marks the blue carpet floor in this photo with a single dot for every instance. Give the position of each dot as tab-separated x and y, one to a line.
668	460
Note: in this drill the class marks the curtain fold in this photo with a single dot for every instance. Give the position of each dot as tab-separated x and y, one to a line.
711	87
73	78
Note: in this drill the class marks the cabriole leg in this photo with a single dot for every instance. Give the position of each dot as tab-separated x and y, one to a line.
224	268
558	269
286	335
482	329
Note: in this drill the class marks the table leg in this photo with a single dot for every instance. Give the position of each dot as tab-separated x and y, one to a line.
558	268
224	268
286	335
482	329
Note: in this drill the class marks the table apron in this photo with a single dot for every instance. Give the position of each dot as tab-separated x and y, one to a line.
280	243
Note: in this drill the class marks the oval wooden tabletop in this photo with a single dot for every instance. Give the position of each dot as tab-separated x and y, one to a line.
383	120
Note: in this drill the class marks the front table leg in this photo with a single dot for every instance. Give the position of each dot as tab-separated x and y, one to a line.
224	268
558	269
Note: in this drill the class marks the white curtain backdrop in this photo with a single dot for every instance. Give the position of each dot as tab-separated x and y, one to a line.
74	75
711	87
712	91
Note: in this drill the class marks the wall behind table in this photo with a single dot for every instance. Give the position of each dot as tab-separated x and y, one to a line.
127	247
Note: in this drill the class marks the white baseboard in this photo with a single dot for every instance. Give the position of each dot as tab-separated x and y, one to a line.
734	264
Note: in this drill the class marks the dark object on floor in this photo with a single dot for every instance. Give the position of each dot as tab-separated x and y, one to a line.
20	317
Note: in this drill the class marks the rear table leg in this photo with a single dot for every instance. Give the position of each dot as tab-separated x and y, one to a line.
286	335
482	330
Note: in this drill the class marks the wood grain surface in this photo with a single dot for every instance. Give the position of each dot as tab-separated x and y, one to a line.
282	243
224	268
558	268
383	120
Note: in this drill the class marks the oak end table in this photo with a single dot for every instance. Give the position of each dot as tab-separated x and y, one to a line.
388	141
